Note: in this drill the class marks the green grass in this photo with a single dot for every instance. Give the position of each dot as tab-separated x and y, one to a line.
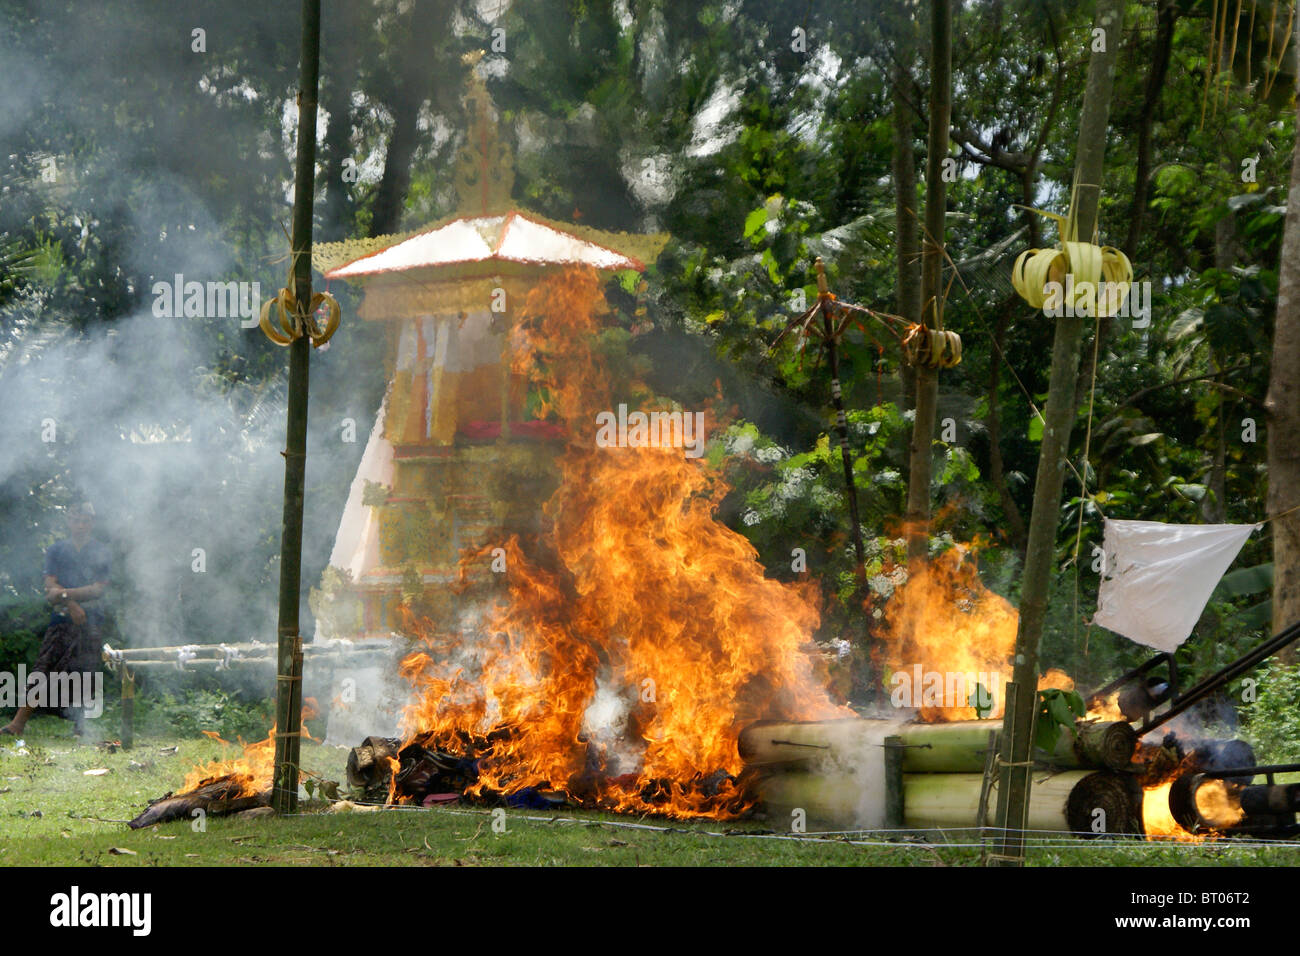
51	813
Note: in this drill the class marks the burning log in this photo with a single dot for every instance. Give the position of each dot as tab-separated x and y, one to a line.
370	765
1226	800
216	798
1066	801
957	747
1103	803
412	772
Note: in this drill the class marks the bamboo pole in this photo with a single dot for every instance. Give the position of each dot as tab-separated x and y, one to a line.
894	781
288	697
921	452
1064	801
200	663
246	651
128	709
842	422
957	747
1058	416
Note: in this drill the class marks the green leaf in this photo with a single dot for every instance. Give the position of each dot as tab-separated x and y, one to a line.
1253	617
1056	709
1036	428
755	221
980	695
1246	581
1077	706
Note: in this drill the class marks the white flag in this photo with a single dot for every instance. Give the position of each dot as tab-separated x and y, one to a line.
1158	577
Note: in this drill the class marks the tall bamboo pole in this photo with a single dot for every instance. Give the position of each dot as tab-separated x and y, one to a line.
1013	793
841	421
921	453
288	687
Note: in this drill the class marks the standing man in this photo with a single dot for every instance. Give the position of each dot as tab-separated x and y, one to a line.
76	577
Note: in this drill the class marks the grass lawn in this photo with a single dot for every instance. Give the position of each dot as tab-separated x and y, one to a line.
52	813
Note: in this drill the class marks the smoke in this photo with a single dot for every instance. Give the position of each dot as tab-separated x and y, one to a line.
171	426
183	470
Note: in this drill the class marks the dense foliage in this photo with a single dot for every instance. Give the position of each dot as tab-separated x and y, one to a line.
759	134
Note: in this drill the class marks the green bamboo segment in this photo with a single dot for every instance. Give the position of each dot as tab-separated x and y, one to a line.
1082	801
957	747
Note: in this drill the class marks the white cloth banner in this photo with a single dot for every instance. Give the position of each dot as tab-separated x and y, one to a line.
1158	577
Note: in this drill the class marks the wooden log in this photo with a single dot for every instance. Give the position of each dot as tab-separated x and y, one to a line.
370	764
217	798
1061	801
128	709
1109	744
1104	803
957	747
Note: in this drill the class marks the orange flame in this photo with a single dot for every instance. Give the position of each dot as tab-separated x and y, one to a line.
944	621
1106	708
1158	819
252	770
1218	803
638	636
1158	780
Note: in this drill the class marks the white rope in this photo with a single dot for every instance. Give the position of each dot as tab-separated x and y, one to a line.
1036	839
229	655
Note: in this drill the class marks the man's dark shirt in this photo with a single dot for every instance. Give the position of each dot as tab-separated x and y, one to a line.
76	569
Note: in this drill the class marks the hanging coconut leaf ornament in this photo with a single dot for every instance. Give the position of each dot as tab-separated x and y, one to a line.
1075	278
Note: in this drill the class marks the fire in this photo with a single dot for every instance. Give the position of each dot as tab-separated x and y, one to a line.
1106	708
252	770
945	620
638	635
1218	804
1057	679
1163	769
1158	820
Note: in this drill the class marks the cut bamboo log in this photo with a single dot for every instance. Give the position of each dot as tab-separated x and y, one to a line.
1064	801
957	747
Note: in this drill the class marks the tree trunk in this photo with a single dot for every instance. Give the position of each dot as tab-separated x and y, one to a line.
997	468
390	197
339	201
921	452
1059	418
406	94
1166	20
907	298
1283	405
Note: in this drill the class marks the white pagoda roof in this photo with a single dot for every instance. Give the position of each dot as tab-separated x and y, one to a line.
509	238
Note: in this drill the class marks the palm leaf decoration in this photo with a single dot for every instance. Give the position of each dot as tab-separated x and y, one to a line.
1039	275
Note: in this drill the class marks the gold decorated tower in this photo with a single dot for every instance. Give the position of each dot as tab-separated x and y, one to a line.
454	461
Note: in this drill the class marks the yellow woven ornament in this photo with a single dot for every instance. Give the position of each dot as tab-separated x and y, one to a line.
1065	280
932	348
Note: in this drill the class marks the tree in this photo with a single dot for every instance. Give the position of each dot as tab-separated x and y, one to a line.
1013	792
1283	404
921	456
